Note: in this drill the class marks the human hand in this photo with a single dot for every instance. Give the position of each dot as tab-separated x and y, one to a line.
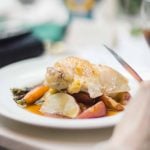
132	133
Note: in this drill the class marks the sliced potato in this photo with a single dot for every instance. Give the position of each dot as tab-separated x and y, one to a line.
95	111
61	104
49	93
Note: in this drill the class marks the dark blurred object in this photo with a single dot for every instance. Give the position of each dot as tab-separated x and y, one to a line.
10	35
19	46
147	36
131	7
2	148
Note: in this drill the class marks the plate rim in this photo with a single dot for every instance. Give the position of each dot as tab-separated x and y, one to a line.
68	127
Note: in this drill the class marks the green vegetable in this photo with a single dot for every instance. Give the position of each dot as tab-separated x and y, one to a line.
136	31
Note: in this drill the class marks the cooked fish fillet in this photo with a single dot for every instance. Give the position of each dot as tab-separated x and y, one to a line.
74	75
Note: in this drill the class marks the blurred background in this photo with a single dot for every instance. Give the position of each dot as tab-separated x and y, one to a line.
30	28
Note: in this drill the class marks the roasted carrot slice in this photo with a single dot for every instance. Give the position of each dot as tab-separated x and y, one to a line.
111	103
35	94
122	97
95	111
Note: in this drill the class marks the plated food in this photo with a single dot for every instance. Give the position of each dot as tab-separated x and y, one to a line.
77	89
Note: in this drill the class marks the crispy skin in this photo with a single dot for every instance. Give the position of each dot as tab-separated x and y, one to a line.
74	75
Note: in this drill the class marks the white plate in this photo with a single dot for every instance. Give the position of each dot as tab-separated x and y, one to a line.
31	72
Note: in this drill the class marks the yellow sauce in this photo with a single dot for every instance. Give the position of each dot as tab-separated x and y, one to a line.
111	113
36	110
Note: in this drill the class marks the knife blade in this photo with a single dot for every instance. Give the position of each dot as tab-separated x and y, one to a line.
126	66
